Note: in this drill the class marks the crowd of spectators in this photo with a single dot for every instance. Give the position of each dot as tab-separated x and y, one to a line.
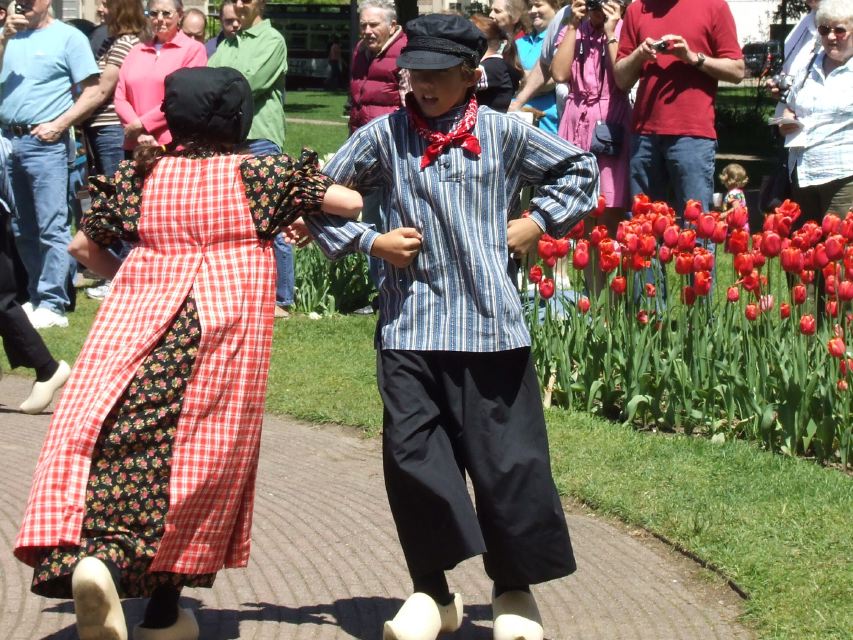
634	82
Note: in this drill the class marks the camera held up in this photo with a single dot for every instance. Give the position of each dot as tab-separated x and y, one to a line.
593	5
783	83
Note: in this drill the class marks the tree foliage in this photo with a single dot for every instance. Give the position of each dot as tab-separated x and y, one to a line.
793	10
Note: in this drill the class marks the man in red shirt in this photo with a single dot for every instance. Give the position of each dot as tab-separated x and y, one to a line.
678	50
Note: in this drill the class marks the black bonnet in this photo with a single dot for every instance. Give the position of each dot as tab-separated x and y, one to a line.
208	105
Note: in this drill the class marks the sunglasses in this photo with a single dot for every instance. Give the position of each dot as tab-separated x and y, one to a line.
840	32
159	14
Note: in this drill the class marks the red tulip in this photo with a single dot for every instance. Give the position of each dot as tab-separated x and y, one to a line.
845	290
792	260
597	234
684	263
688	295
737	217
798	294
705	225
820	257
733	294
670	236
702	283
686	240
580	259
832	308
643	316
546	247
807	276
575	232
618	285
771	244
846	365
834	246
561	246
551	262
608	261
831	224
660	224
665	254
641	204
743	263
703	260
785	310
721	230
766	303
752	281
738	241
583	304
808	325
836	347
546	288
842	385
535	274
692	210
651	292
752	311
600	207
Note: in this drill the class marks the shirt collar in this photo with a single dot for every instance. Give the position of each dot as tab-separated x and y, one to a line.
180	40
257	29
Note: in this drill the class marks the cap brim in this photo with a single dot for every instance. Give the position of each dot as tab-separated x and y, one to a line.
427	60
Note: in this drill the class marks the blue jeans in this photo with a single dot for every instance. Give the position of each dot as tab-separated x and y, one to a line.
285	282
685	163
106	144
682	162
41	226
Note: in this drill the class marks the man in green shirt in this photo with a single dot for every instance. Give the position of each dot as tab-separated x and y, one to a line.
258	52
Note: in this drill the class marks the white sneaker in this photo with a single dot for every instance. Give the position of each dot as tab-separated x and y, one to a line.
99	293
44	318
42	393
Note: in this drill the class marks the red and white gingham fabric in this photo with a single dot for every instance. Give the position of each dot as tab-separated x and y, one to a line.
196	235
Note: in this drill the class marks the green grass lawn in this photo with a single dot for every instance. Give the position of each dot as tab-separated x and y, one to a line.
780	528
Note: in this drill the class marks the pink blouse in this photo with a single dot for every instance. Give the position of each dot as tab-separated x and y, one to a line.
140	90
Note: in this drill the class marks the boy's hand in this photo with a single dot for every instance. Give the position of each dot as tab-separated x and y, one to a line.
522	234
399	247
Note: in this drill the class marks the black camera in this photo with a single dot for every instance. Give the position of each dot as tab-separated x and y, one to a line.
660	45
22	7
783	83
593	5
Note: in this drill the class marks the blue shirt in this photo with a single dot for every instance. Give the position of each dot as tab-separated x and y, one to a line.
39	68
460	292
529	49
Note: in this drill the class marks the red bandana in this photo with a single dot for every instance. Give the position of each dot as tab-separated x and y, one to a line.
438	142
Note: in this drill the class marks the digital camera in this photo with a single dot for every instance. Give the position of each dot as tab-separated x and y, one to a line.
660	45
22	7
593	5
783	83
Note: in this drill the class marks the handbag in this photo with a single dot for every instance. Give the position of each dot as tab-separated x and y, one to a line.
606	139
606	136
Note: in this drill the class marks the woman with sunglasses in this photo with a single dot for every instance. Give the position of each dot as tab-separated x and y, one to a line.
139	93
820	137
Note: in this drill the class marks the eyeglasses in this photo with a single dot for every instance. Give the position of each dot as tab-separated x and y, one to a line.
159	14
840	32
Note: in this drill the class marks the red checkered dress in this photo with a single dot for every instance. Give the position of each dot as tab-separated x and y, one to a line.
197	238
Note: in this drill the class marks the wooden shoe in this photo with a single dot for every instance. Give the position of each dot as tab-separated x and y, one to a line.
185	628
96	602
422	618
516	617
42	393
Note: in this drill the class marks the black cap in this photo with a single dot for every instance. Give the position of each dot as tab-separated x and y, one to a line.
438	41
208	104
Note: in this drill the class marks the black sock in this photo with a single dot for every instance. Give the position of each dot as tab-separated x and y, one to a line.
503	588
435	586
45	372
162	609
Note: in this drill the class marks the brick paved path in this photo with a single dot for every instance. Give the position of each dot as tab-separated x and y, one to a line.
326	565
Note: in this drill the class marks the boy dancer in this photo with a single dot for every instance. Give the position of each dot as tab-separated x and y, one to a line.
454	365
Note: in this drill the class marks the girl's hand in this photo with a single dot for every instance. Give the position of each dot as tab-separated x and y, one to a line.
297	233
522	234
399	247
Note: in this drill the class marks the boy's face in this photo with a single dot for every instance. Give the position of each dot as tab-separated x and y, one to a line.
438	91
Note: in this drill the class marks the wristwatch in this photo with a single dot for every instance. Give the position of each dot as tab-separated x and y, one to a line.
700	60
612	40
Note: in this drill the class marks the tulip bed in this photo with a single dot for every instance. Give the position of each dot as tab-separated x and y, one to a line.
768	362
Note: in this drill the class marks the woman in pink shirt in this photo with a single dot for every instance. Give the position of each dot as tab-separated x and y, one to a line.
140	88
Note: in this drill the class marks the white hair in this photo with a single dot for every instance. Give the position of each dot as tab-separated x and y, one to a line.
835	11
386	6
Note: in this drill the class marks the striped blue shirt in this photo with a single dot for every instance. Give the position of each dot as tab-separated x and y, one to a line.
460	293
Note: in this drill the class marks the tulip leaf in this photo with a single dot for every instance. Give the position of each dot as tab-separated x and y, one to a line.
632	406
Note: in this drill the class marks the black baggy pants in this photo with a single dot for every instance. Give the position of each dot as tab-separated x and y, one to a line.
23	344
452	413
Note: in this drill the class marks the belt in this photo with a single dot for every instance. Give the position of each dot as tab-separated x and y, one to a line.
19	130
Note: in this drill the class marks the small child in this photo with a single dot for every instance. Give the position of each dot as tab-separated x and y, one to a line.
454	367
734	179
